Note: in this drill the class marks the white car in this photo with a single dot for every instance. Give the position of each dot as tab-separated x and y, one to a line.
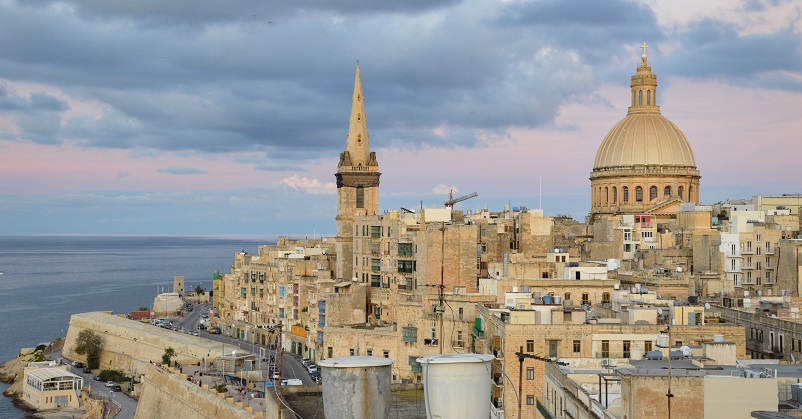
110	384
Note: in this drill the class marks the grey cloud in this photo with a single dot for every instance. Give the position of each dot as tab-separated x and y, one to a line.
717	50
182	170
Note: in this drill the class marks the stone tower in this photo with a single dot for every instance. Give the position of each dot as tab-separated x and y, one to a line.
357	182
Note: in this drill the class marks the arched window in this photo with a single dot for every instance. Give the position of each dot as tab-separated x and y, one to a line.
667	191
652	193
615	195
638	194
605	297
640	97
567	296
648	97
679	191
606	195
626	193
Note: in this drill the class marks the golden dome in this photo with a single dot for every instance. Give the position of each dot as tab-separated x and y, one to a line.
648	139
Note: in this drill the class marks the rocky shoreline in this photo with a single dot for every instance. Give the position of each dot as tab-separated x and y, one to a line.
11	371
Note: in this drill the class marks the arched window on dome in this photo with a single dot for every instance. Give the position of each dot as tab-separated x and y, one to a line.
667	191
606	195
652	193
648	97
625	191
638	194
679	192
615	195
640	97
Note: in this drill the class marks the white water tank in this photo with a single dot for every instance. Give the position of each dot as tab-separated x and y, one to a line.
356	387
636	353
558	299
456	386
662	340
718	338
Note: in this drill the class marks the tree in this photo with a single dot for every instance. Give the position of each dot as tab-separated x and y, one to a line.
143	308
198	290
89	343
169	353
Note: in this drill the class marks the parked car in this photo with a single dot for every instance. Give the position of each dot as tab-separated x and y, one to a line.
116	388
98	378
311	368
195	333
315	375
77	364
305	361
292	382
87	371
110	384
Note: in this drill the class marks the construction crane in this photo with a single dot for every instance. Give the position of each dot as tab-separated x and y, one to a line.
451	201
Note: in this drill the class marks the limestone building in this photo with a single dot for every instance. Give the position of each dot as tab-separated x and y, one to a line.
645	164
357	182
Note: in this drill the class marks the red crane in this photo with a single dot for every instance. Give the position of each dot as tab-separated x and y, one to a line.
451	200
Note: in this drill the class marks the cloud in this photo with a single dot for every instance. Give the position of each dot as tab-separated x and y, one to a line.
310	186
181	170
441	189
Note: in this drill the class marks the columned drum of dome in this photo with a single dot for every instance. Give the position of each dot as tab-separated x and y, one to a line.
644	156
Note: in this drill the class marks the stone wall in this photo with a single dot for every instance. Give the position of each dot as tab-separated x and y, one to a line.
128	343
165	394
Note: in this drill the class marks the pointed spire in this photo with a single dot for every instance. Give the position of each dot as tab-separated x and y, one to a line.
644	87
358	142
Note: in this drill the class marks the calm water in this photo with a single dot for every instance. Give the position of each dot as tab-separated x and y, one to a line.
48	278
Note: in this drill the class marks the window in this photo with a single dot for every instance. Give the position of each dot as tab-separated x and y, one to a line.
567	296
370	352
530	346
615	195
638	194
605	349
461	311
530	373
530	400
553	345
585	298
606	195
679	191
330	351
626	194
647	346
667	191
360	197
606	297
351	352
640	97
577	346
648	97
652	193
386	353
626	348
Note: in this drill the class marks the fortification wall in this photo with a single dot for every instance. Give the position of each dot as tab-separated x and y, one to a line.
168	395
127	342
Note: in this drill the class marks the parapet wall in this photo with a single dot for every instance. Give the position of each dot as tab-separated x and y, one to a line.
169	395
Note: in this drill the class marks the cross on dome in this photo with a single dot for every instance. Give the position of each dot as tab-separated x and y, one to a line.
643	57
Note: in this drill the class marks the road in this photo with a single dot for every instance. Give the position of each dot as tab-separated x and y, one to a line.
99	391
291	366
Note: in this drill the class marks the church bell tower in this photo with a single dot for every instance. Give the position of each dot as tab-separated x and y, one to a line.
357	182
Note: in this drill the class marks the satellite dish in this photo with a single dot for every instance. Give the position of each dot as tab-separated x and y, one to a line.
707	306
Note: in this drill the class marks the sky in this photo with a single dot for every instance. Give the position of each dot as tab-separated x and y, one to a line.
197	117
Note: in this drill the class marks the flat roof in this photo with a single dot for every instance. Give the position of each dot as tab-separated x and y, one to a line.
46	374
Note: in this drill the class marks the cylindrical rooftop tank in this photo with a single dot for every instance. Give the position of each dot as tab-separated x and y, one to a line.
636	353
558	299
356	387
456	386
548	299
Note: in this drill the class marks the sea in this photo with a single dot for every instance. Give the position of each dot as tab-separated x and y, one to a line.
46	279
